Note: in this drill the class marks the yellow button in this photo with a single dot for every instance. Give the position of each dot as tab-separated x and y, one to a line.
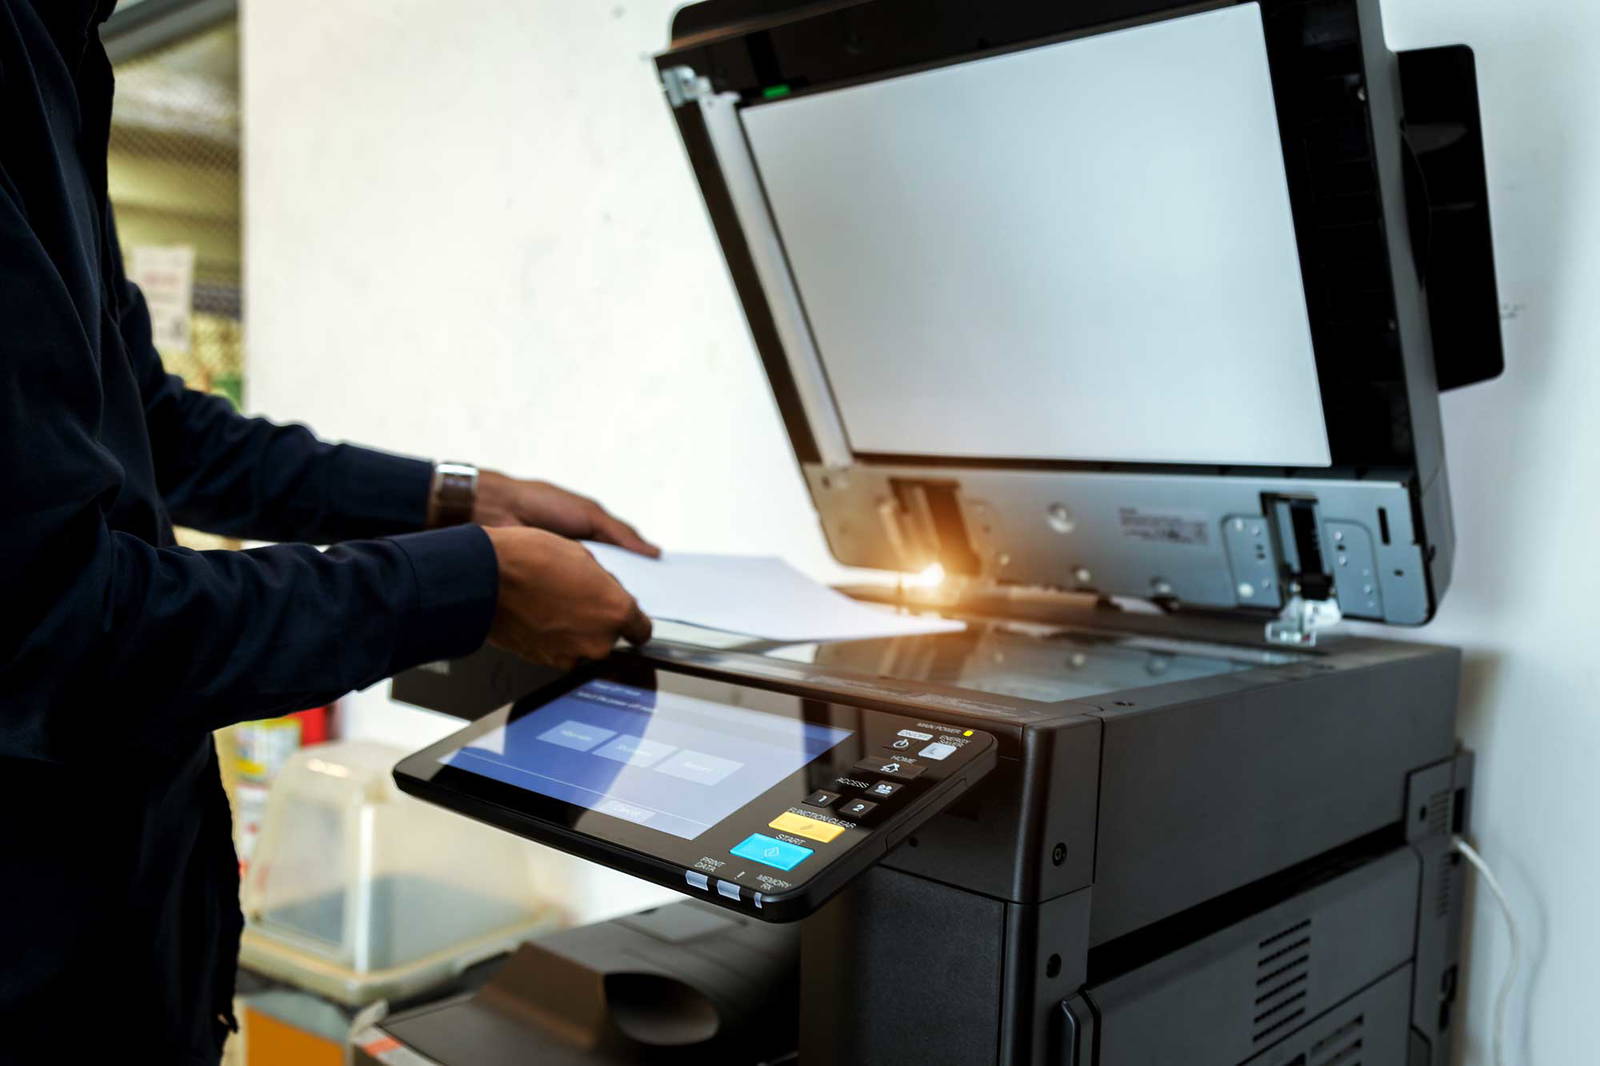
811	828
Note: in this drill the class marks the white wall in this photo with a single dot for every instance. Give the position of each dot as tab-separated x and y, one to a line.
471	233
1527	504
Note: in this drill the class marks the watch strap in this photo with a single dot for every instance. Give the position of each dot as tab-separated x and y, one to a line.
452	495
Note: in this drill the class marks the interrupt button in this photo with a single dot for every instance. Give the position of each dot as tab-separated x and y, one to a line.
779	854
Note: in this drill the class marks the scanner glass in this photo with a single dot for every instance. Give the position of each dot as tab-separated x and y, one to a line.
1045	667
1082	251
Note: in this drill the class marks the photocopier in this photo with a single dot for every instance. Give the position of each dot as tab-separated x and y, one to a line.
1131	318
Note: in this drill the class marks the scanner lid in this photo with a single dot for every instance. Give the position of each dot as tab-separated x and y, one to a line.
1133	298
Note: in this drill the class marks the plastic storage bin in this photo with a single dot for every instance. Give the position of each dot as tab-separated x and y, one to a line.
358	892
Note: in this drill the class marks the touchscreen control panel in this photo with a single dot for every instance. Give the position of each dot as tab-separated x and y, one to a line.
751	797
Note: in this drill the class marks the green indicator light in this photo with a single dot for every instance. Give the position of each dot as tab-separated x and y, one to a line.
772	92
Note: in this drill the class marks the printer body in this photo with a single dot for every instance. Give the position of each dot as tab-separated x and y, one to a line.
1131	317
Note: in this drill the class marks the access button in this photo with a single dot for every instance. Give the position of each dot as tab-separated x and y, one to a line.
938	751
821	798
779	854
858	809
810	828
898	768
884	789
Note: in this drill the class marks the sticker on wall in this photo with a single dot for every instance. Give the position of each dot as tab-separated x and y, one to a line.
165	273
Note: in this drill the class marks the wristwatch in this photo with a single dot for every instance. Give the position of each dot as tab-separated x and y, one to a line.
452	495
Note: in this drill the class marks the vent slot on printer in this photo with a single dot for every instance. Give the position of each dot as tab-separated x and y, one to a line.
1283	972
1342	1047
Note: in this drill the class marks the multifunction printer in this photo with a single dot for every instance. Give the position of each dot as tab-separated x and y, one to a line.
1129	318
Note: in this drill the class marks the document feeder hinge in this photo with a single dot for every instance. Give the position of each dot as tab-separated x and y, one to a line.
1297	626
1307	572
683	85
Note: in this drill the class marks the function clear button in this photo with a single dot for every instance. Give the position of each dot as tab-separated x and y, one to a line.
810	828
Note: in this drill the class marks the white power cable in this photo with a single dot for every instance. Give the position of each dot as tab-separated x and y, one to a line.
1470	853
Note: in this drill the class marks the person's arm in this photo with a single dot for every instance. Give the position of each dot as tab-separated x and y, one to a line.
108	643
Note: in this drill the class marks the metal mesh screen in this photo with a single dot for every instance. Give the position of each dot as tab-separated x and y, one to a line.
173	173
174	179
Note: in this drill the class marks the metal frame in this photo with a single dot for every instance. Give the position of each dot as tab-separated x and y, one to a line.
150	25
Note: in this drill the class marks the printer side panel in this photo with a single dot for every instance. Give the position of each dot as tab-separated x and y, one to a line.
981	918
1439	800
901	969
1322	977
1200	798
897	968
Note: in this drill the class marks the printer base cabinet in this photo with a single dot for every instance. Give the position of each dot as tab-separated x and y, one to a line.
1348	960
1324	978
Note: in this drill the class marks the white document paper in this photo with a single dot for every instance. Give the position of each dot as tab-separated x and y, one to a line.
759	595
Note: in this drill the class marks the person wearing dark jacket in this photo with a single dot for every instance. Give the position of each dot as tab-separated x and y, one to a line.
121	652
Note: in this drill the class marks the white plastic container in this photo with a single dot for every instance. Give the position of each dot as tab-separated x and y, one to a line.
358	892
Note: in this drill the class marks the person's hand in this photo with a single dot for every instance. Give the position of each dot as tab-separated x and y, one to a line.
506	501
557	605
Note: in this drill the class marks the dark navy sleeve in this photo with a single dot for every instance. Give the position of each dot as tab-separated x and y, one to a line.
224	473
109	640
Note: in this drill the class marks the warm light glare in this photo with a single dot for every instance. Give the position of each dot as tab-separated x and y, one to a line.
931	577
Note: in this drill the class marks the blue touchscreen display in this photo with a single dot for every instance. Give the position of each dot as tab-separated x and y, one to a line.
664	760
